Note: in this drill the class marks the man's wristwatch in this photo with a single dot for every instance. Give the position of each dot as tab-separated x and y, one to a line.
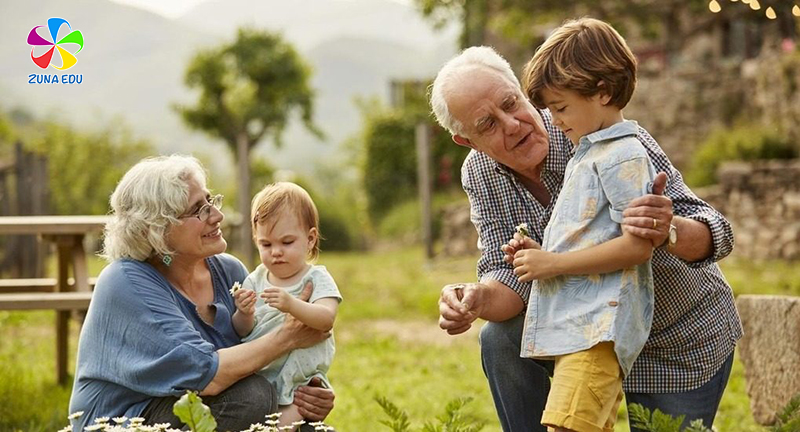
672	238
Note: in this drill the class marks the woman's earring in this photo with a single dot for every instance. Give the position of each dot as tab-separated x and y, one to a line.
167	260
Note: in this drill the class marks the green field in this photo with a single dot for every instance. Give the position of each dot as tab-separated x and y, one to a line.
388	344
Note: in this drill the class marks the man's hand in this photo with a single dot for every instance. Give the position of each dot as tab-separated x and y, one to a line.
245	301
649	216
530	264
516	244
459	306
313	401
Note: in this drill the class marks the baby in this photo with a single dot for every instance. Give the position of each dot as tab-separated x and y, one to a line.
286	231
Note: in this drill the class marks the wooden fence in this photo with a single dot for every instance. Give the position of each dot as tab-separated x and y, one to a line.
24	191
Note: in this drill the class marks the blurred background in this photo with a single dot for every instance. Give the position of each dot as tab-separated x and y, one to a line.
719	88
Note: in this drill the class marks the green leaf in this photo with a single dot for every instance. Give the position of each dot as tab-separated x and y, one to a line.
398	418
191	410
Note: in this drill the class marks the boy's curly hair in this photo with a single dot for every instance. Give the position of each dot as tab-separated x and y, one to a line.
579	56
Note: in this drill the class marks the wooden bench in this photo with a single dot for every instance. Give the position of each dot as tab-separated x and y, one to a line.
62	294
37	285
59	301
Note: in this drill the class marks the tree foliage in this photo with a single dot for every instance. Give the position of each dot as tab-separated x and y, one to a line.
84	167
517	27
249	88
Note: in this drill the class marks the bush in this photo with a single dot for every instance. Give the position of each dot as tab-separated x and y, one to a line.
744	142
389	165
402	222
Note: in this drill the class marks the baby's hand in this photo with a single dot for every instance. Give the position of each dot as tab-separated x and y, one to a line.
245	300
278	298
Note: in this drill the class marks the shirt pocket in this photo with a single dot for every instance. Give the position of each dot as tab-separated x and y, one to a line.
584	199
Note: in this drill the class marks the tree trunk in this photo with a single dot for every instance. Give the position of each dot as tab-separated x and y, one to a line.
243	169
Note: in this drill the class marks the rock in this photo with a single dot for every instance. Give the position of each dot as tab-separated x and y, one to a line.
458	234
770	352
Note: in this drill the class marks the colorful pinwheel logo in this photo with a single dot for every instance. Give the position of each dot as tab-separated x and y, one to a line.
67	58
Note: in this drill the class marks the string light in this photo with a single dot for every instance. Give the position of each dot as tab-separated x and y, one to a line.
771	13
796	11
714	6
746	1
755	5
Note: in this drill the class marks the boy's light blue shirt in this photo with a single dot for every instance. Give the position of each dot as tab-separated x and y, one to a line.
142	339
567	314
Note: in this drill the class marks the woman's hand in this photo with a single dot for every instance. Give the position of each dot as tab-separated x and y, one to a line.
245	301
313	401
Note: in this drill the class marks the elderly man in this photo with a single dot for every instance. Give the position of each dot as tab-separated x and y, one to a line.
513	175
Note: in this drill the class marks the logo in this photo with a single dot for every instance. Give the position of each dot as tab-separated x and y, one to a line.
68	59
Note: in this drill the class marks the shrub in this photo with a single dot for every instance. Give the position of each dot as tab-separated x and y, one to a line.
743	142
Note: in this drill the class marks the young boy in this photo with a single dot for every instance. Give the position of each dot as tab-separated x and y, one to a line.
591	319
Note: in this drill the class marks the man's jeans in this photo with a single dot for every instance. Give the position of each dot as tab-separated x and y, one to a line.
520	386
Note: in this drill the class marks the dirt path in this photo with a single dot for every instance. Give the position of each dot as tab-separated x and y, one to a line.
421	332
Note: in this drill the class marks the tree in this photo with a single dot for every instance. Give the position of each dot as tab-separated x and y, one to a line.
248	89
517	27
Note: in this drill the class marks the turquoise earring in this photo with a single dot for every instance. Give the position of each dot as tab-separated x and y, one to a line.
167	260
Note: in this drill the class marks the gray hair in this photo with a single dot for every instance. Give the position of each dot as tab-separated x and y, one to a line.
146	203
482	56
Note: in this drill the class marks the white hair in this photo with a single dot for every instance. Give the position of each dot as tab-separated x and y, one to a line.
481	56
146	203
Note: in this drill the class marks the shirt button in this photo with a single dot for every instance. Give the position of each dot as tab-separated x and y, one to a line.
613	303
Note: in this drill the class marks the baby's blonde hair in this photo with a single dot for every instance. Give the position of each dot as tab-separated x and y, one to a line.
276	197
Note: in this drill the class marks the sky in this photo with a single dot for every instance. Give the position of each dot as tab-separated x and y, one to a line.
176	8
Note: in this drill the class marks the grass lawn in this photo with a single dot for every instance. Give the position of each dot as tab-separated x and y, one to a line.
388	344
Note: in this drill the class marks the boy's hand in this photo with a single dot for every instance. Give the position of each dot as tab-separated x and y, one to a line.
278	298
245	300
530	264
517	244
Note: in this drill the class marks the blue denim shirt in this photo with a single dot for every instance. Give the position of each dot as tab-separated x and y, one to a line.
567	314
142	339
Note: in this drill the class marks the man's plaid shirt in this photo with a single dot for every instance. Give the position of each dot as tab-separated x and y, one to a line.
695	323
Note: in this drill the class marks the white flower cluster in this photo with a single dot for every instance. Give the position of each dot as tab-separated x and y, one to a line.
135	425
522	229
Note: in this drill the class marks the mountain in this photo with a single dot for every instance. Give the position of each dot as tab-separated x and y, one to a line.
133	61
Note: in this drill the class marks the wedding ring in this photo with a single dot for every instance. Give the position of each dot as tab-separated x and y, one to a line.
655	223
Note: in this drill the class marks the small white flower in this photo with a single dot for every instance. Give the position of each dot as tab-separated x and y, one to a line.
67	428
120	420
522	229
75	415
99	420
236	287
287	428
162	426
298	423
137	420
95	427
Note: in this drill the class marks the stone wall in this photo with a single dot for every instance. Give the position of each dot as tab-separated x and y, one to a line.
760	199
762	202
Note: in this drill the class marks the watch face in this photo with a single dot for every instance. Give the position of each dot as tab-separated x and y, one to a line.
673	235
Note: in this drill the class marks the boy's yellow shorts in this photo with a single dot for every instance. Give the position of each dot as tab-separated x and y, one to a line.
586	390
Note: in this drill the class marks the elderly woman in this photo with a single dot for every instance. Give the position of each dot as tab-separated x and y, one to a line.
160	319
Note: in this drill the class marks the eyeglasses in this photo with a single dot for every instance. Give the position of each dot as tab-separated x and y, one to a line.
203	212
